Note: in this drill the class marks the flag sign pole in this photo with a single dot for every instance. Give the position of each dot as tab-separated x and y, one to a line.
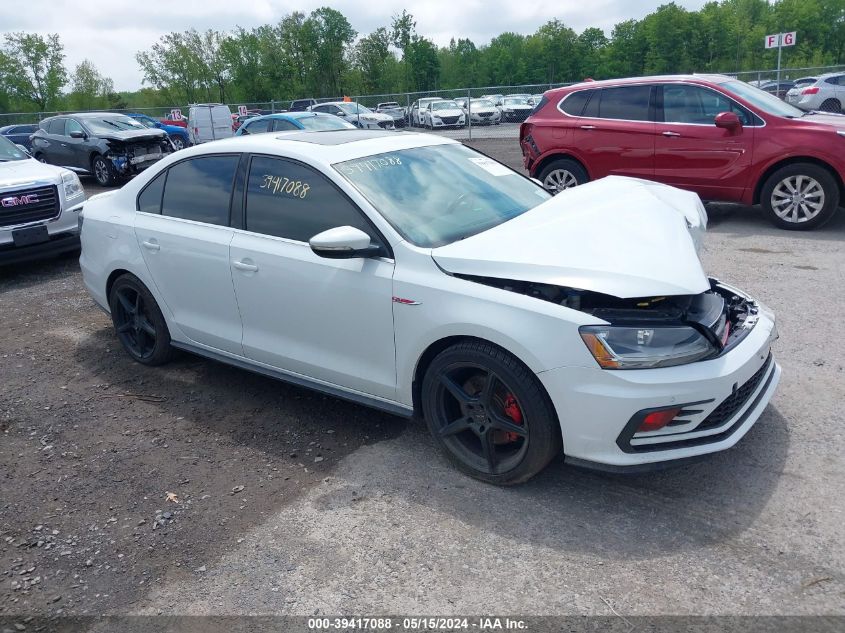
780	40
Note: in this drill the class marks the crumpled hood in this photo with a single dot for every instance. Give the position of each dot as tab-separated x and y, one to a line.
30	171
619	236
133	136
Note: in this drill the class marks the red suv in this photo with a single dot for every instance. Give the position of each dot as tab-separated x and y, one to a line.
711	134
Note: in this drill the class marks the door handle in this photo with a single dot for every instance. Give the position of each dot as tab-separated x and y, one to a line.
242	265
151	245
588	127
668	133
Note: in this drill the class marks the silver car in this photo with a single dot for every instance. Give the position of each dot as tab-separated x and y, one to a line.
827	94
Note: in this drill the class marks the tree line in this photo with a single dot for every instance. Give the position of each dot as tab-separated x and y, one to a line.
321	55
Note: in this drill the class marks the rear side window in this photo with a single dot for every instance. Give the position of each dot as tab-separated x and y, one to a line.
200	189
836	81
630	103
56	126
289	200
574	104
149	200
258	127
281	125
539	106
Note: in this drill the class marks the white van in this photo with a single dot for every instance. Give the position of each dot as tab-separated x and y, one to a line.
209	122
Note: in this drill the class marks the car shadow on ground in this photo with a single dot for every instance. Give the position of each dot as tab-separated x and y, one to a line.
742	220
566	508
36	272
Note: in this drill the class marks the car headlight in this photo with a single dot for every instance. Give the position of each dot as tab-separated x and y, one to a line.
616	347
73	188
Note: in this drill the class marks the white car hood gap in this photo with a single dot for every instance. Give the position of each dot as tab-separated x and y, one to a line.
618	236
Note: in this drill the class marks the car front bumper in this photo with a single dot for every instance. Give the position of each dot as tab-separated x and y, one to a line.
596	407
58	244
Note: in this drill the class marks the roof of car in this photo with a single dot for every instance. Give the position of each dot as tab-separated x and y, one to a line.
712	78
289	115
320	147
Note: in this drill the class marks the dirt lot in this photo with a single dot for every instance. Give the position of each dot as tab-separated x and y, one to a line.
288	502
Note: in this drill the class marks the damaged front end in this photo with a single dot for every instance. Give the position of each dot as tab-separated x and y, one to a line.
133	156
651	332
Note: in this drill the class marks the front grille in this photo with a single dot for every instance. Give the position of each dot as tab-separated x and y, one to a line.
730	405
28	205
449	120
485	114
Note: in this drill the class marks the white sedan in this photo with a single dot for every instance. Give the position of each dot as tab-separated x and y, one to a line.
410	273
484	112
439	114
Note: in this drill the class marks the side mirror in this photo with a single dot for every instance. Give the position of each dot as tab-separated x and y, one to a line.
343	242
728	121
77	134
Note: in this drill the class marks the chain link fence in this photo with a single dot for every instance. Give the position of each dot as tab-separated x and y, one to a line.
462	113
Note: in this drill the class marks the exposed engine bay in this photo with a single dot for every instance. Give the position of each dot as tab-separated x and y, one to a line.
130	157
722	314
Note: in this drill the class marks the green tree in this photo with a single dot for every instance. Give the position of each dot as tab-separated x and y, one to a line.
89	89
34	68
373	56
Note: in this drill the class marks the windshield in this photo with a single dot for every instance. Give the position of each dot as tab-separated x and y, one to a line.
518	101
390	104
768	103
113	124
442	193
324	123
144	121
444	105
9	151
483	103
354	108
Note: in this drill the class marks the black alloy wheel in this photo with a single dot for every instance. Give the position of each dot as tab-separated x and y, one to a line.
488	414
138	322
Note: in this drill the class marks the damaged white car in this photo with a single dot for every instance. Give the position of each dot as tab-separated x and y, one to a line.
412	274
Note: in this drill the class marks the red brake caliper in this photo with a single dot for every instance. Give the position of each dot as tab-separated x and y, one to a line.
513	411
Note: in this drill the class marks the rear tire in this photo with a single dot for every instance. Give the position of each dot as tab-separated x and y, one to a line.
800	197
831	105
489	414
563	173
138	322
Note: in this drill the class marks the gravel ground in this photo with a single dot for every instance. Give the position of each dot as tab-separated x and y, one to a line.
198	488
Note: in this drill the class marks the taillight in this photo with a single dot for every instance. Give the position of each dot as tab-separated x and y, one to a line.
812	90
656	420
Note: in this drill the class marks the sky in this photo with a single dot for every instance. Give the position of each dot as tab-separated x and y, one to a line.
110	33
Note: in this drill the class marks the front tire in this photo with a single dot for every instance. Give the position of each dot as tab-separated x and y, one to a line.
488	414
800	197
178	143
103	171
563	173
138	322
